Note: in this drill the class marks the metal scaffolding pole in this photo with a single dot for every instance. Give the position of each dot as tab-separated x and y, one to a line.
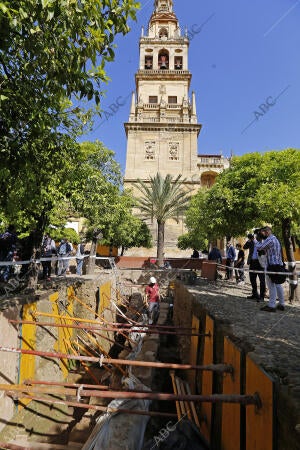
67	385
105	409
159	396
88	308
119	329
220	368
60	325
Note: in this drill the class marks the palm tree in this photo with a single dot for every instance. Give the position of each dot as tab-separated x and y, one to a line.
162	199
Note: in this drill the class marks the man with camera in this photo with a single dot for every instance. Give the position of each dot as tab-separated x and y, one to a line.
273	249
255	269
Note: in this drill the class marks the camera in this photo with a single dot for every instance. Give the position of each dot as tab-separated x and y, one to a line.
259	235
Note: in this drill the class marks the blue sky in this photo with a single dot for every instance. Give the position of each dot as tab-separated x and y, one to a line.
245	64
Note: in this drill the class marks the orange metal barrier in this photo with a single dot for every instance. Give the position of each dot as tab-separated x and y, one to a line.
207	377
260	426
231	414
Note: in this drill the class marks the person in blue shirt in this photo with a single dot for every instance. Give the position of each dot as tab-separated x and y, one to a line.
215	255
64	250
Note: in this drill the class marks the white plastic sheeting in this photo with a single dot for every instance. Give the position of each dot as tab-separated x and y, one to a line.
121	431
115	431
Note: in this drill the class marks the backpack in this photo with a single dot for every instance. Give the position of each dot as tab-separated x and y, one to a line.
65	248
62	249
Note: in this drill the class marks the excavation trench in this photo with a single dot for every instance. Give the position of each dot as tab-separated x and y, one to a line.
229	331
51	413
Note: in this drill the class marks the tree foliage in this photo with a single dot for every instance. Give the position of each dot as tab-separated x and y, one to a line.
52	54
89	186
198	230
58	43
94	191
94	183
125	229
255	190
64	233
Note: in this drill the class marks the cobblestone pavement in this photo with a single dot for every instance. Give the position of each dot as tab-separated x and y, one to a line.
273	338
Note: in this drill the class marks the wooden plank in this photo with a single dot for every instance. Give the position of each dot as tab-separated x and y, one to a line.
182	391
178	410
181	403
260	429
192	404
231	413
193	353
207	377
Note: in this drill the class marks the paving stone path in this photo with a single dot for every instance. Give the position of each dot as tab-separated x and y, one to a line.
274	338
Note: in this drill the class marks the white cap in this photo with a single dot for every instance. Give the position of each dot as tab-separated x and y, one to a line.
152	280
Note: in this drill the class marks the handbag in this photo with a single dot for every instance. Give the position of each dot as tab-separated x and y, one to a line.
280	277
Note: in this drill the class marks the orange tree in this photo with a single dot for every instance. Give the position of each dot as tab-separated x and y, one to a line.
52	68
255	190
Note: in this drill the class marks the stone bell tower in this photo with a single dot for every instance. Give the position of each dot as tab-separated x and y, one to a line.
162	130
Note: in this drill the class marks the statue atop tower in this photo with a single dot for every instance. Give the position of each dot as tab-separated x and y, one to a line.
163	6
163	18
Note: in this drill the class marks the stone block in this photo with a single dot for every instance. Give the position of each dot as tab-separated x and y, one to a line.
124	353
164	306
162	319
144	374
81	431
151	345
149	355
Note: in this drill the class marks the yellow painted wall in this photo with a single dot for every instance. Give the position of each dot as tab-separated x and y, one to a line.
28	342
104	294
64	333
